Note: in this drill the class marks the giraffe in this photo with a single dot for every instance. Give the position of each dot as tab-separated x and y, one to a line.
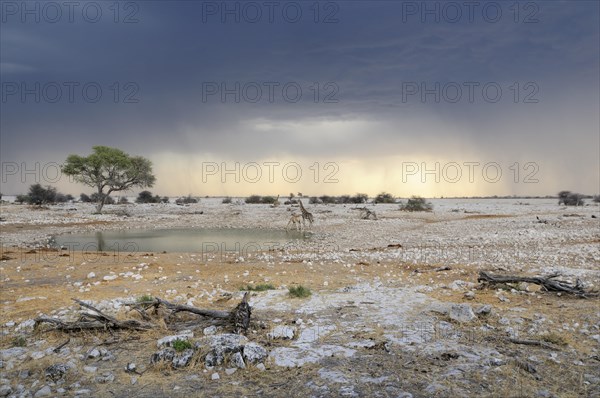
295	219
306	215
276	203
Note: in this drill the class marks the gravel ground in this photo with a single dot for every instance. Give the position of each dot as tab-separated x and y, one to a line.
381	320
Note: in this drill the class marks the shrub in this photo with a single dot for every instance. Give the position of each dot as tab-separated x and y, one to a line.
326	199
146	197
21	198
95	198
300	291
313	200
19	341
569	198
384	197
145	298
181	345
268	200
84	198
164	199
416	203
253	199
62	198
226	200
39	195
261	287
256	199
186	200
123	200
596	198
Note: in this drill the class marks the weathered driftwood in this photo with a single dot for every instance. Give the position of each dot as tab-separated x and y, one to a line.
438	269
97	320
534	343
93	321
548	283
240	316
58	348
175	308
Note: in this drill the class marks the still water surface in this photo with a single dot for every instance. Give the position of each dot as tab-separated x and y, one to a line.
203	240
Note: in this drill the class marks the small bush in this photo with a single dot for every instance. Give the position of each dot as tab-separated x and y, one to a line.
146	298
569	198
313	200
384	197
123	200
19	341
253	199
95	197
299	291
164	199
257	199
416	203
146	197
268	200
596	198
181	345
226	200
21	198
186	200
326	199
261	287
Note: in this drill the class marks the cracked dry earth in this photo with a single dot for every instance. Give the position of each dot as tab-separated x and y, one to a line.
383	319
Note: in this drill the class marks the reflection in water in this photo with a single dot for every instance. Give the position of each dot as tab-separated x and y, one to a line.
181	240
101	243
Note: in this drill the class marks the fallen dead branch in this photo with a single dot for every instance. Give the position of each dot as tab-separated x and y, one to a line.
439	269
97	320
58	348
548	283
533	343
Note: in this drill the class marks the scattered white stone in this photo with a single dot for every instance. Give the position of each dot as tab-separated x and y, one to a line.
208	331
168	340
43	392
461	313
110	277
215	376
91	275
282	332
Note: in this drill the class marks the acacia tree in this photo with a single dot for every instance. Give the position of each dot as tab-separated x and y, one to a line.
109	169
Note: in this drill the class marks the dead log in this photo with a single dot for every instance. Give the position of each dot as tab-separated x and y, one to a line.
93	321
175	308
548	283
97	320
533	342
240	316
57	349
439	269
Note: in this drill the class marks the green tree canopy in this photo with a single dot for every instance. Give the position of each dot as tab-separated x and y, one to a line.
109	169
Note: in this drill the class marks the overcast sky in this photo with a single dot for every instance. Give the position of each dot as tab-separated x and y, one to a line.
491	98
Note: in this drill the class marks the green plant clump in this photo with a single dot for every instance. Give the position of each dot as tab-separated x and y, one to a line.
19	341
181	345
300	291
261	287
416	203
146	298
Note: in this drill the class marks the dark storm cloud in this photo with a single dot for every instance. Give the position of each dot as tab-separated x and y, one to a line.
164	62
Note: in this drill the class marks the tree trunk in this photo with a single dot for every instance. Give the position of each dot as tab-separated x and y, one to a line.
102	200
